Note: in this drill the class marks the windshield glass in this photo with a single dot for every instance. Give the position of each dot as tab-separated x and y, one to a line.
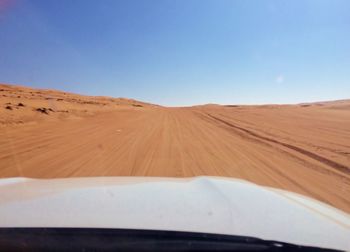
226	113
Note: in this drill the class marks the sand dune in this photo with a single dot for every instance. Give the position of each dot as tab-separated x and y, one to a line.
303	148
25	105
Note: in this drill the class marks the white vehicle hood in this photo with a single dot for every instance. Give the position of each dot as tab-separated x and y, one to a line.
201	204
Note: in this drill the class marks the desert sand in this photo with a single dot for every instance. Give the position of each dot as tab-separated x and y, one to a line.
302	148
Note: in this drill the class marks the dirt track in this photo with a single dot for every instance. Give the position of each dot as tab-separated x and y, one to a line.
301	148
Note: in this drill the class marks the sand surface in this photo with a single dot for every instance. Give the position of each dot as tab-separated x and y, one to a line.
302	148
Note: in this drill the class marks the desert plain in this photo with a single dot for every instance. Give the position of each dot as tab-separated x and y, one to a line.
303	148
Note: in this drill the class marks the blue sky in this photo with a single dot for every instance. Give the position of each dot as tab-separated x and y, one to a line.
180	52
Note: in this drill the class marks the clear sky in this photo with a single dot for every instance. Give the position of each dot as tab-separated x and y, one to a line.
180	52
